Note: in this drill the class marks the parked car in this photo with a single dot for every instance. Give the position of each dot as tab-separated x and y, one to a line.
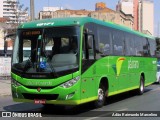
158	74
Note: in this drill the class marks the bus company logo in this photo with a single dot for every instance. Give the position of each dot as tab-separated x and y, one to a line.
133	64
45	24
39	83
119	65
39	89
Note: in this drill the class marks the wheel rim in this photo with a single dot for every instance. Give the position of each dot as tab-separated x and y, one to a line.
100	94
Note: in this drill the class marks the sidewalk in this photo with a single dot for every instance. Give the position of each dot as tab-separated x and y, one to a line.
5	86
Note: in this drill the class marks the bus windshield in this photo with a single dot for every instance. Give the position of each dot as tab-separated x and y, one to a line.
46	50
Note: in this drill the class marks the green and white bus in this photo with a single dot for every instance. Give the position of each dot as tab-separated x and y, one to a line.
71	61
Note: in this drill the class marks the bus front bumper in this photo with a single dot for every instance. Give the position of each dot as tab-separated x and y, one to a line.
61	96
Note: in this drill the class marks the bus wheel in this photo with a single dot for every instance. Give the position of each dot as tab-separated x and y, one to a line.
141	86
101	97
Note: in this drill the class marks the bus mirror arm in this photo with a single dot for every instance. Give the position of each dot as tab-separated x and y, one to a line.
5	48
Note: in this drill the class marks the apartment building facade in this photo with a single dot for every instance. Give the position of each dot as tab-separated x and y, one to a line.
9	9
146	16
142	11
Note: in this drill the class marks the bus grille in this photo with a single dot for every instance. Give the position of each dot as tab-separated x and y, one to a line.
40	96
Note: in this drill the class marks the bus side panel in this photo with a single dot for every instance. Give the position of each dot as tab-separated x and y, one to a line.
123	74
88	84
150	70
142	66
102	68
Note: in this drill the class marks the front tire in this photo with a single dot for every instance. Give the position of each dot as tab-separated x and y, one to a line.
101	97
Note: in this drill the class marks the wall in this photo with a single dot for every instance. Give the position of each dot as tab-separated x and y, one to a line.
5	66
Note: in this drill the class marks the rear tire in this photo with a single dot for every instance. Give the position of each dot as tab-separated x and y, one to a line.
101	97
140	90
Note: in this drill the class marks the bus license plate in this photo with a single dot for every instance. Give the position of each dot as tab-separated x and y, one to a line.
40	101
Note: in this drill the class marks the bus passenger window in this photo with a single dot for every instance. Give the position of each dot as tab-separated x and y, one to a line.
104	38
88	47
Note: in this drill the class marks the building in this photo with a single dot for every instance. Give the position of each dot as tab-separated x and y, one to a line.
3	20
100	6
136	14
112	16
126	20
63	13
48	12
129	7
146	16
142	11
126	6
101	12
9	9
52	8
106	14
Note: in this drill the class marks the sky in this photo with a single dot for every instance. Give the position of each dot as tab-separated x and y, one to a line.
88	5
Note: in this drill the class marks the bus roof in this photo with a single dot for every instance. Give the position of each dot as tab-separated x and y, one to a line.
55	22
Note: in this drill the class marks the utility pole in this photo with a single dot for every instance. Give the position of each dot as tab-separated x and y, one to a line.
32	9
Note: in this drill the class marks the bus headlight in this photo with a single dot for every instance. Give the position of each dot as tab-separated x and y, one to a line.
70	82
14	82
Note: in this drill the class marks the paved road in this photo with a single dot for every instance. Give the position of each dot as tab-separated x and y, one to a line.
5	86
149	101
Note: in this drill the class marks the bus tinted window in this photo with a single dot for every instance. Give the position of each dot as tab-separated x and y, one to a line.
93	30
138	46
145	46
152	45
104	36
118	43
129	44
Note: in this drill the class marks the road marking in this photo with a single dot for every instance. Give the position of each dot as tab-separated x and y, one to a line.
103	115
